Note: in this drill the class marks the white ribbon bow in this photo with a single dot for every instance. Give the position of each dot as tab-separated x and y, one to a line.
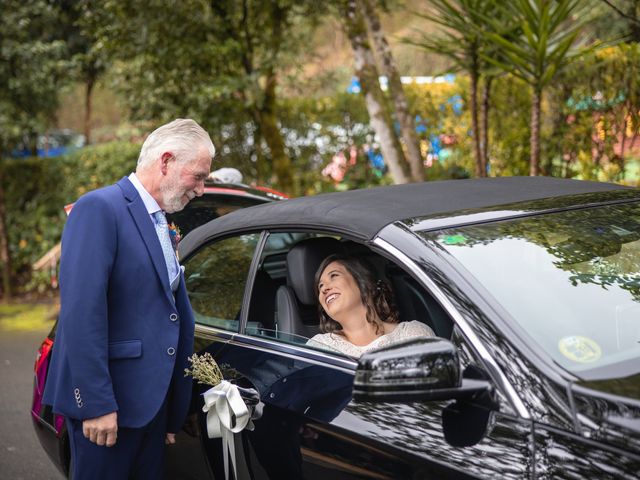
227	414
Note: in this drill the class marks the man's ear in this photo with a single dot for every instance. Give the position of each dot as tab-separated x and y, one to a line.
165	158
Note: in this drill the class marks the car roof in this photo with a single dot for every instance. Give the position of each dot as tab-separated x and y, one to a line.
363	213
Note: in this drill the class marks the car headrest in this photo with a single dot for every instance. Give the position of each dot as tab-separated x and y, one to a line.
302	262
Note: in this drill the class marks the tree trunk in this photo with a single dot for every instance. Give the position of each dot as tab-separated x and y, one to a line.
5	254
559	127
623	140
484	150
263	111
396	91
625	124
33	142
597	151
566	162
477	152
87	110
261	170
367	73
534	161
270	131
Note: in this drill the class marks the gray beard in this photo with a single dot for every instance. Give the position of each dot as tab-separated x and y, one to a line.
172	202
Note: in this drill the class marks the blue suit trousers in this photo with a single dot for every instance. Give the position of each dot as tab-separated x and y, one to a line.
138	453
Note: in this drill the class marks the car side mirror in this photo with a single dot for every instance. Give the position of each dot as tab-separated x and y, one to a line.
420	369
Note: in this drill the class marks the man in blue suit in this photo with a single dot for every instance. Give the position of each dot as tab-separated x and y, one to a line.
126	327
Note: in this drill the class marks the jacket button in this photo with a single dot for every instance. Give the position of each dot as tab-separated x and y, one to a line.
173	317
171	350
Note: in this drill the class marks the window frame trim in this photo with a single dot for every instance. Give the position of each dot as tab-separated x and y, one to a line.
250	281
458	319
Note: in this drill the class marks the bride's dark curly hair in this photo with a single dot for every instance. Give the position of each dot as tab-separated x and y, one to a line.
376	295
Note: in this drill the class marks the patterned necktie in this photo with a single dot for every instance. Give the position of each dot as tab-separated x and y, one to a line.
162	230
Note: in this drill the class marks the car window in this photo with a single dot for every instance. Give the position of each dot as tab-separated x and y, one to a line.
267	316
571	280
281	308
215	278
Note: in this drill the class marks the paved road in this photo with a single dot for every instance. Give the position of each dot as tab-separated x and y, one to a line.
21	457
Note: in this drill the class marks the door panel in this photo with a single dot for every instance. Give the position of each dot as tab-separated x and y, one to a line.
296	436
565	455
311	428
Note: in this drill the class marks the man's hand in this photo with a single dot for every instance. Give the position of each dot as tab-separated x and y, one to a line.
170	439
102	430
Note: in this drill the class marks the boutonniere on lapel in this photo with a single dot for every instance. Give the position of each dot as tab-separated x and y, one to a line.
174	235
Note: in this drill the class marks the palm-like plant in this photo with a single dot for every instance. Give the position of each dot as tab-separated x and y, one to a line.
463	43
548	40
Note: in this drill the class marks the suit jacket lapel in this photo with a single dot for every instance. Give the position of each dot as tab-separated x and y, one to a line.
147	231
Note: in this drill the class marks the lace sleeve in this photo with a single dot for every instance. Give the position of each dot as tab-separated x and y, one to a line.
415	328
323	341
316	341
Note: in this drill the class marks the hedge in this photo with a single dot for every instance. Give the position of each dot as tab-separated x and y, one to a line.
36	191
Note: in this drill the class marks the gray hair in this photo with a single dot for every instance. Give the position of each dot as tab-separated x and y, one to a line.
180	137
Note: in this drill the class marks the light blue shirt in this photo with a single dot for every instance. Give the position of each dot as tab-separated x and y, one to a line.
149	202
152	207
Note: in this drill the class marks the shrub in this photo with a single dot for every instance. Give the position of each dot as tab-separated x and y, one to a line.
36	191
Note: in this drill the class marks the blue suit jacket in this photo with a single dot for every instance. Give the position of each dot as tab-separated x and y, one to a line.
122	341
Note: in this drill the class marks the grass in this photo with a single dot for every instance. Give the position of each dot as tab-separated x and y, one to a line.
26	316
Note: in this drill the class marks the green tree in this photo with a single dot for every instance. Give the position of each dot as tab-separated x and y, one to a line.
87	60
367	72
32	66
203	59
629	12
602	104
510	127
462	42
396	91
547	43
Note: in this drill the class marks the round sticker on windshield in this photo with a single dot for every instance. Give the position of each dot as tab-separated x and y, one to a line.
580	349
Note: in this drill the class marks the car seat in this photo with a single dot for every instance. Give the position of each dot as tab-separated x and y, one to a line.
414	303
296	302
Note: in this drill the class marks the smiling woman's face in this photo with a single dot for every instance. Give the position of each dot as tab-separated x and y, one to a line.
338	290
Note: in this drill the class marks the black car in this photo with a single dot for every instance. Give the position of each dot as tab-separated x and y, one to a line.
218	200
532	286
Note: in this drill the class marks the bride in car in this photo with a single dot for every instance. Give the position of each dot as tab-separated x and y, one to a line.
357	313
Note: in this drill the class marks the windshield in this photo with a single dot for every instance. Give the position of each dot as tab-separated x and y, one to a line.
571	280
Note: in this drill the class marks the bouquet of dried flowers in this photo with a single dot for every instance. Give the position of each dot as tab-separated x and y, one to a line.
230	408
204	369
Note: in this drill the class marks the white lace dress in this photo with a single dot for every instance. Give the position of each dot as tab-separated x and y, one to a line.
404	331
